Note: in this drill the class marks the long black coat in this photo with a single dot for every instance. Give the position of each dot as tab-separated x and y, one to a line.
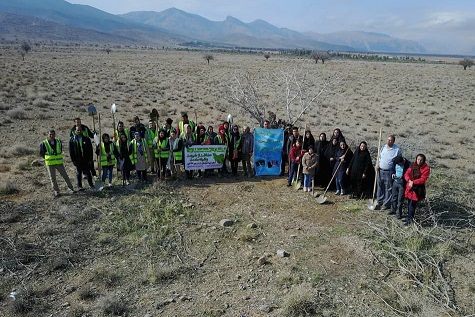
81	152
359	165
323	170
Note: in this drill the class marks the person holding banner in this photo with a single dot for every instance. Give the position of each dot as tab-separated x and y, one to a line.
247	149
222	139
176	151
235	148
189	139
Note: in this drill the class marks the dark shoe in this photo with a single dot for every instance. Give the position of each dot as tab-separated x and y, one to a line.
391	212
400	216
288	185
377	207
384	208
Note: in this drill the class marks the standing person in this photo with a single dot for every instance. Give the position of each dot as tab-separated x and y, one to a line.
176	151
51	150
189	139
81	153
108	155
309	140
223	139
386	168
342	157
247	149
416	177
125	164
162	152
309	162
235	149
138	156
87	133
285	153
400	167
150	135
121	130
330	153
361	171
322	171
337	134
181	125
212	135
168	127
137	127
293	139
266	124
295	155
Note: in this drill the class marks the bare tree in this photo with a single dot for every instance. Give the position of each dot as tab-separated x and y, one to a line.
266	56
208	57
299	97
466	63
323	56
108	50
24	49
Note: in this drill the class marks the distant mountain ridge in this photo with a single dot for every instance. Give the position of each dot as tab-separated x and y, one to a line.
369	41
56	19
231	31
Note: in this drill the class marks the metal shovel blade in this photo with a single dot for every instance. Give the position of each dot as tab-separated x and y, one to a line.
297	184
315	194
371	204
91	110
321	199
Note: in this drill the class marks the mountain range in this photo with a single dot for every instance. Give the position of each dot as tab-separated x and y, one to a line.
64	21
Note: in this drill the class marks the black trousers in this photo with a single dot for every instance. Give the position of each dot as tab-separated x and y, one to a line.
84	170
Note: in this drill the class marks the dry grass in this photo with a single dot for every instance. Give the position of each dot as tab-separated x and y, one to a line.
8	188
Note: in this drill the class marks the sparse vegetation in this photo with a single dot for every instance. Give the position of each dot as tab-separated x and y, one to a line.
17	114
8	188
266	56
208	58
24	49
466	63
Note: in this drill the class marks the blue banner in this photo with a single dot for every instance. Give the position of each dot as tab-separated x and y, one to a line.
268	144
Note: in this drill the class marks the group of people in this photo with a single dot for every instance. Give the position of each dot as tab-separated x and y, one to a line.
311	162
332	164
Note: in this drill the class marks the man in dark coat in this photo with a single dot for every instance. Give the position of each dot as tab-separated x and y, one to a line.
86	132
137	127
81	152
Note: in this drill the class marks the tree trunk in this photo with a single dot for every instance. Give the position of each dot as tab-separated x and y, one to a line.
208	61
464	67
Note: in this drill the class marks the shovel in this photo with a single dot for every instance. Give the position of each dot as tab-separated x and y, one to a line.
91	110
372	202
113	111
322	198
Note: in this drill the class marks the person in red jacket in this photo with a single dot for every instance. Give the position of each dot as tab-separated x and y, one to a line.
295	156
416	176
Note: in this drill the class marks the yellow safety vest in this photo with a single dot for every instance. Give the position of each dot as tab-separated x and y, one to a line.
53	157
104	161
133	155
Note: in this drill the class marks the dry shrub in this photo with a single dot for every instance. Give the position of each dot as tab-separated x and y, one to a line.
87	293
17	114
8	188
18	151
301	301
107	277
4	107
114	306
4	168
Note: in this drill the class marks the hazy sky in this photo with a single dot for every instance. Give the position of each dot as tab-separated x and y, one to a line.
440	25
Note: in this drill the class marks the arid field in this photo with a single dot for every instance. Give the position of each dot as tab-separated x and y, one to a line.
159	250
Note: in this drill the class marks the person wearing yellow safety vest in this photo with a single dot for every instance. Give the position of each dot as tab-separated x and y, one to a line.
138	156
176	151
161	150
189	139
107	151
121	129
235	149
51	149
125	164
185	121
81	153
150	135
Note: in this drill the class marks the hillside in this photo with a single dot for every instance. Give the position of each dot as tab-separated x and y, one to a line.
86	17
13	26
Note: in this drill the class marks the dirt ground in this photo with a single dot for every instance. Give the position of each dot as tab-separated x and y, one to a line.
159	250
